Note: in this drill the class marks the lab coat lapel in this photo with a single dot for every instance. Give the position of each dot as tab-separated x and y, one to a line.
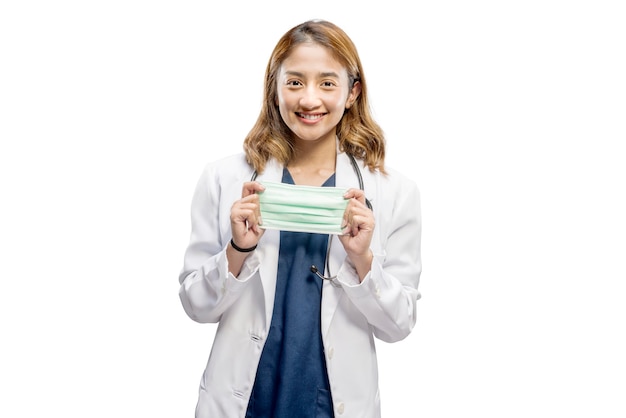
268	251
344	178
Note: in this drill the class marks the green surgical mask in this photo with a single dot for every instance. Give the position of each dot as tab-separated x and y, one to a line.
290	207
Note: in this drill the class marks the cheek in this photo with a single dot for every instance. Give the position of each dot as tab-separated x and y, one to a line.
282	107
341	102
278	98
341	99
283	100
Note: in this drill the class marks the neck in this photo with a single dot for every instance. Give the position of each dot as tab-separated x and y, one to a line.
313	163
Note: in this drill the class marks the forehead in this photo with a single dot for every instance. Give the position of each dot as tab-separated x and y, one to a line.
312	58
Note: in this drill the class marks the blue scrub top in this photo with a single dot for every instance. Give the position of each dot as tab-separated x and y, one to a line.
291	379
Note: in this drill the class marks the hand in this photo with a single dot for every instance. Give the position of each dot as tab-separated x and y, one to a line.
358	222
245	216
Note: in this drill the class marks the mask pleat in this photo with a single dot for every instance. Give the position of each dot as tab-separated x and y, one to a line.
302	208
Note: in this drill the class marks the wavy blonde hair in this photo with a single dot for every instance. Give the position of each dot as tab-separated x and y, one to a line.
359	135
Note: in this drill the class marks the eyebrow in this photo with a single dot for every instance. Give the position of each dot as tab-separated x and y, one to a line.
322	75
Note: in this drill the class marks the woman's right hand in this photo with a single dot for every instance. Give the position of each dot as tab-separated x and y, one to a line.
245	216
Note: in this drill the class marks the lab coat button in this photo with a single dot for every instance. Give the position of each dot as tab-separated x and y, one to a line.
340	408
331	351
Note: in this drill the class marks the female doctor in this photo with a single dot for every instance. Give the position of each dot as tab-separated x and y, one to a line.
298	311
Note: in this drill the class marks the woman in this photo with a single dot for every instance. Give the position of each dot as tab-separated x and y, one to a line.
291	341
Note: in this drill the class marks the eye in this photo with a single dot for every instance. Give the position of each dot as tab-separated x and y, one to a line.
328	84
293	83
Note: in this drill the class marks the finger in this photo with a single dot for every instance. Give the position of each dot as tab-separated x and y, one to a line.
251	187
250	202
355	207
358	224
246	213
357	217
357	194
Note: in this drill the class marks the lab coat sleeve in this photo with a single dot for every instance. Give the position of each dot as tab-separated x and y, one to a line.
388	294
207	288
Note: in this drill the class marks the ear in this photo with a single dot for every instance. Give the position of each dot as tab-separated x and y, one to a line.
354	94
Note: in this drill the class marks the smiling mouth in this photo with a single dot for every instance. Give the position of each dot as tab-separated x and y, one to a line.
309	116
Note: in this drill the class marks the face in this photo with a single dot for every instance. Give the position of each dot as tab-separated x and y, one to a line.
313	93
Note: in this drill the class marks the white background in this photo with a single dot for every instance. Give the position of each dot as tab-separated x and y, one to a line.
509	115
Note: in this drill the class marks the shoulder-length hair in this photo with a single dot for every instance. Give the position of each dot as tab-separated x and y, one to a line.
357	132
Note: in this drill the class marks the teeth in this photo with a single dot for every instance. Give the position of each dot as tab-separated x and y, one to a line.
310	117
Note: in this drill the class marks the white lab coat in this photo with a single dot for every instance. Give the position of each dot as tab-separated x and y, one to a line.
352	314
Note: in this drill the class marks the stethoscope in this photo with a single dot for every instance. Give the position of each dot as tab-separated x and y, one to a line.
313	268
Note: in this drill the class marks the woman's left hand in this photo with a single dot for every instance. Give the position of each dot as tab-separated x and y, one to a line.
358	222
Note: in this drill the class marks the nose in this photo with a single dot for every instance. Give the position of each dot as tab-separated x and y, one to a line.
310	98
